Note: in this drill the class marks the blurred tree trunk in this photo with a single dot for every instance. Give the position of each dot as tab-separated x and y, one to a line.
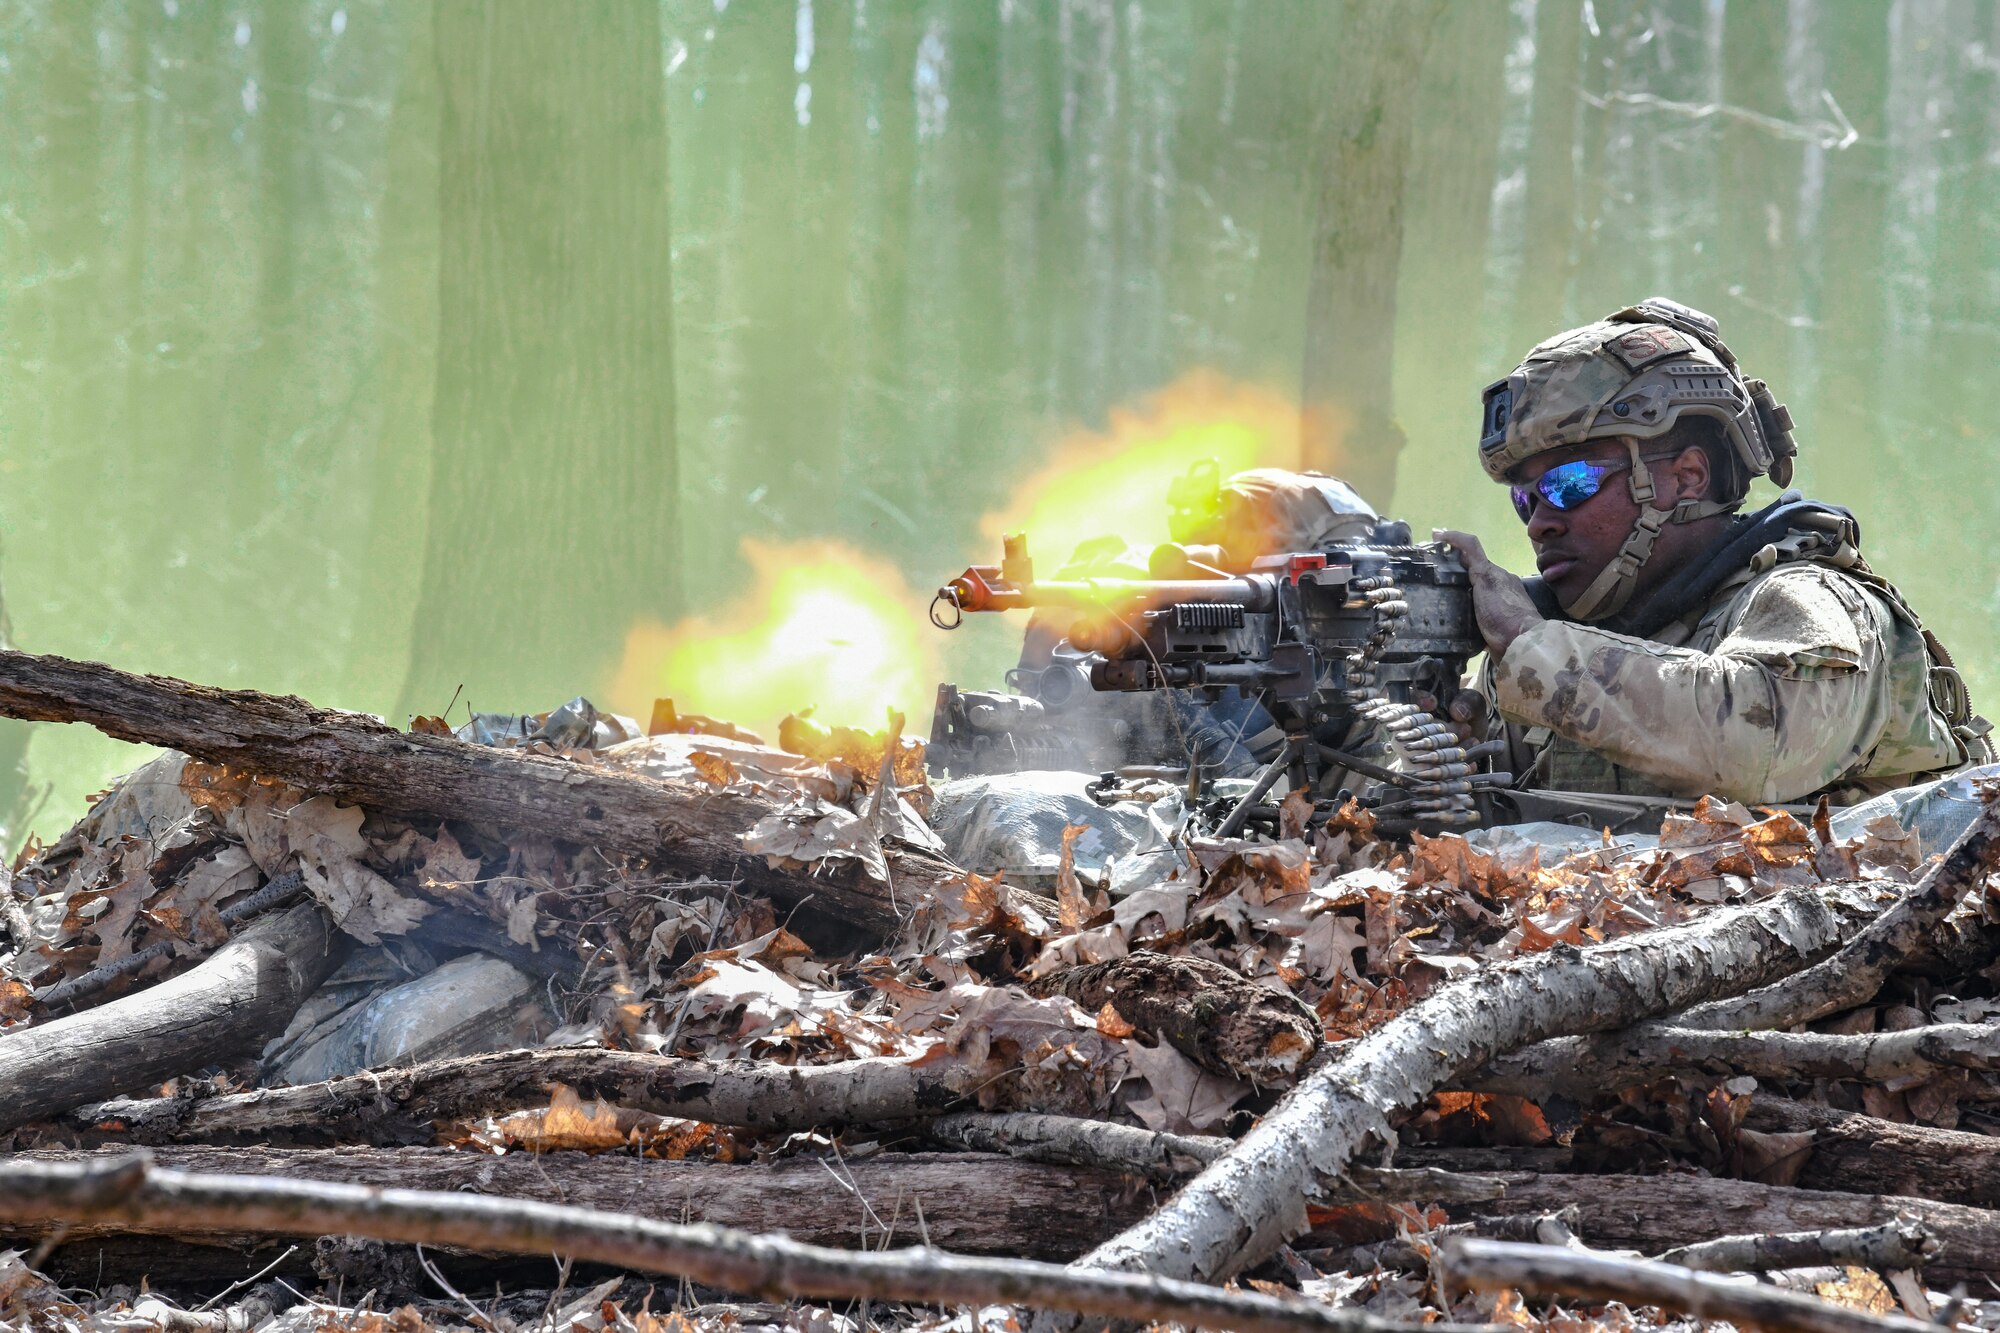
1454	148
1550	223
553	494
405	369
1364	148
1853	253
1760	191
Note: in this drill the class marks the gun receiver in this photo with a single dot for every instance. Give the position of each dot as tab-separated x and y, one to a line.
1338	645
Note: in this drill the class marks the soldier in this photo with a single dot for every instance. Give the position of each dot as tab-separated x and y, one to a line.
1670	646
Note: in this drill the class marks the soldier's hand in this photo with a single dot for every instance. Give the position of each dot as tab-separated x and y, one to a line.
1499	598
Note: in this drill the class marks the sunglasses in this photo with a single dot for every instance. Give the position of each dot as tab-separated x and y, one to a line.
1564	487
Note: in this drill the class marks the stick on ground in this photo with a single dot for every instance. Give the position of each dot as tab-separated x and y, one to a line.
1899	1244
130	1188
1546	1270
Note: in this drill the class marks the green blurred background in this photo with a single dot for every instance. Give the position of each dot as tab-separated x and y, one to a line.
371	349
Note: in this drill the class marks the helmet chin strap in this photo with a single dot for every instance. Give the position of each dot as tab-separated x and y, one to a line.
1613	587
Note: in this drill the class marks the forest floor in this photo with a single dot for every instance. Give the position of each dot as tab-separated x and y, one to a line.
316	1024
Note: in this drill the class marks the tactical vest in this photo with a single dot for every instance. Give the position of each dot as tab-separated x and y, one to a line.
1944	735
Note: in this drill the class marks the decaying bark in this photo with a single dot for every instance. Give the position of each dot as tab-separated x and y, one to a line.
977	1204
1242	1207
1868	1155
405	1105
1851	976
1652	1214
1069	1141
240	996
1546	1270
1898	1244
1212	1014
363	761
1650	1051
130	1191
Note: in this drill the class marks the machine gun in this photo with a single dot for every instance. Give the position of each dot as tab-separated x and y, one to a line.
1338	645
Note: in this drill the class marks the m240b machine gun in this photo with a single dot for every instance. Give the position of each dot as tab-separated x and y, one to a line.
1339	645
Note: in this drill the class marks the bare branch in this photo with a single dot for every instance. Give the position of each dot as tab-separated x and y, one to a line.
131	1189
1649	1051
1899	1244
1493	1265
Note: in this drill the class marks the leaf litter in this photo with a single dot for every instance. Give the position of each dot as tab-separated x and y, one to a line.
1354	927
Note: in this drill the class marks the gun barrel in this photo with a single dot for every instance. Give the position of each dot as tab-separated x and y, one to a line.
984	588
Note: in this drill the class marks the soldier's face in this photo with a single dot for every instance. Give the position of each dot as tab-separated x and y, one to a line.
1572	547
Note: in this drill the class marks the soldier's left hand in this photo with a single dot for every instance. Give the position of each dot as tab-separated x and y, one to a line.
1499	598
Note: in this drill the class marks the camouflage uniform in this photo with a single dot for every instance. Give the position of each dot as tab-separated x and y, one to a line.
1795	680
1801	672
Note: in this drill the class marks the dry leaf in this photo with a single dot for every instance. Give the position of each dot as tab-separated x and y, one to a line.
1072	908
327	838
1112	1024
1859	1289
713	768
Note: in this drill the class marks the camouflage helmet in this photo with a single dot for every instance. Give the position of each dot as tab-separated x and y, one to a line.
1633	374
1631	377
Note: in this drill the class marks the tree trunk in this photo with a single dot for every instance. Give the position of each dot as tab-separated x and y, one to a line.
1454	150
553	522
1853	254
1550	220
241	996
1760	192
359	760
1348	427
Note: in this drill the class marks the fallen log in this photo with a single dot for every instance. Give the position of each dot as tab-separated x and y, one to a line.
1848	978
241	995
131	1191
978	1204
1652	1214
1869	1155
363	761
1548	1270
405	1106
1242	1207
1649	1052
1214	1015
1070	1141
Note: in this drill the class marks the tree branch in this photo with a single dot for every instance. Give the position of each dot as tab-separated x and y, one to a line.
131	1189
1650	1051
1899	1244
1493	1265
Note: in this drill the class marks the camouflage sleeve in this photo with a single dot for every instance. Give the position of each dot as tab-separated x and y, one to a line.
1793	696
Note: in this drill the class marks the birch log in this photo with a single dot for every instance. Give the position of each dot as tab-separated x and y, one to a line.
1546	1270
1849	977
1244	1206
238	997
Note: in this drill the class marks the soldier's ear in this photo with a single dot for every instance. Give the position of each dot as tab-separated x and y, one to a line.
1692	473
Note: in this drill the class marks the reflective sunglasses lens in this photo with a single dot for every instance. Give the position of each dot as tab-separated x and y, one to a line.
1569	485
1524	501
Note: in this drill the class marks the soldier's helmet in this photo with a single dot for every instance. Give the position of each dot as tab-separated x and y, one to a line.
1634	374
1264	510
